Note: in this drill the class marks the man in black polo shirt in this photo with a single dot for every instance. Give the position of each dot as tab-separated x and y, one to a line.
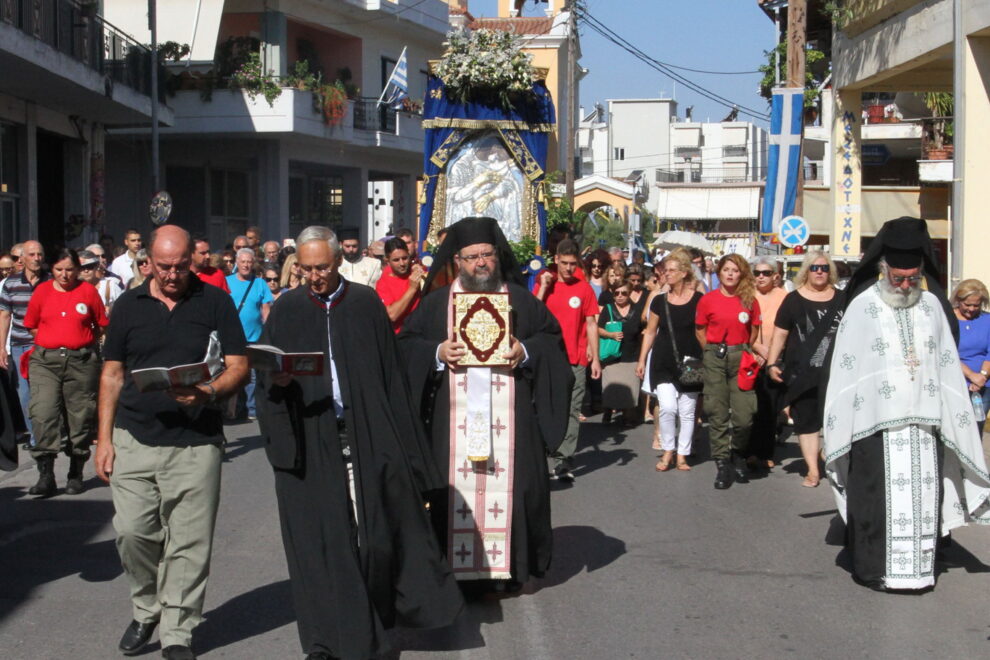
161	451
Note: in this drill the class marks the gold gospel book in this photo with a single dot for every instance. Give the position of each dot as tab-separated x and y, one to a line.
481	322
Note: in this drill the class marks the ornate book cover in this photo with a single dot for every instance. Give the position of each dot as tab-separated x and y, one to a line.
481	322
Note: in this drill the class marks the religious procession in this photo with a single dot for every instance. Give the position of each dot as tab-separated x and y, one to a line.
495	402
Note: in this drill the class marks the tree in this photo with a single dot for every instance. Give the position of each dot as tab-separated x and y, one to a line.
815	71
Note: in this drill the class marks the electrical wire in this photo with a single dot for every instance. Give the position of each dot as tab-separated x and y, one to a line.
610	35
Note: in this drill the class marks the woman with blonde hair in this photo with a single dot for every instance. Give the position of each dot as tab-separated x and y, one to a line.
141	268
291	276
970	300
763	436
670	335
804	328
726	324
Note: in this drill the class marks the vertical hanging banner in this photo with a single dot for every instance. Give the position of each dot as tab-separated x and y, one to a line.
847	175
784	157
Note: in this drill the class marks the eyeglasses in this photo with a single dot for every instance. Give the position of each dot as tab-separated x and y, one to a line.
899	279
819	268
176	270
228	261
763	273
471	258
620	293
319	270
596	265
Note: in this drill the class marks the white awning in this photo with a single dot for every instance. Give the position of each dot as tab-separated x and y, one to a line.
715	203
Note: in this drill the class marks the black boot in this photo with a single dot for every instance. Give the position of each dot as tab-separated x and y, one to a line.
74	485
739	468
46	477
723	475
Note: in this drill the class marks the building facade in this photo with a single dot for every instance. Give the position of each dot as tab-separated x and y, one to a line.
66	77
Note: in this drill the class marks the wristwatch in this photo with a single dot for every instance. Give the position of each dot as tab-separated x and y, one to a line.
213	393
984	373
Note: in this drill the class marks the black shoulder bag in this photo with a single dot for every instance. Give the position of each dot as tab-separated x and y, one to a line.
690	371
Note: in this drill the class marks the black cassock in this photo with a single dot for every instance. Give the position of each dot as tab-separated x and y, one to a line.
543	389
351	581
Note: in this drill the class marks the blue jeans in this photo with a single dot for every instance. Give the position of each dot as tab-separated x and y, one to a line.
22	386
245	399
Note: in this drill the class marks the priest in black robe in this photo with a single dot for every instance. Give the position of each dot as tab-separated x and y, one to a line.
493	518
351	464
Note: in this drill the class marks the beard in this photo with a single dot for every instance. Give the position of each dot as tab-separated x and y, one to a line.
487	280
899	298
353	258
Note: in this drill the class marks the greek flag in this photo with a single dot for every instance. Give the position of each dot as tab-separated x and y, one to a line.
784	158
397	85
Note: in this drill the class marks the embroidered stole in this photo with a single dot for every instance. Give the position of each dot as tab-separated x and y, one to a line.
482	451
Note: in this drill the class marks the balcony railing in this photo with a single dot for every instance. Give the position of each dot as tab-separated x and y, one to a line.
735	151
369	116
74	29
712	175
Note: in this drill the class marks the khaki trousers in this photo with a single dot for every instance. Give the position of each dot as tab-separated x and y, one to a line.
63	386
564	456
166	501
729	410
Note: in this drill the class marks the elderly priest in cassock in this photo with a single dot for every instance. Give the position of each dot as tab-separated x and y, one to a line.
350	462
491	427
901	444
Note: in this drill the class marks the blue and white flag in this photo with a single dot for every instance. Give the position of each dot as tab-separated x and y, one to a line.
397	85
784	158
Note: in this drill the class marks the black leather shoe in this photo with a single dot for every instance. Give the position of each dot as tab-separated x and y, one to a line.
320	655
723	475
135	637
178	652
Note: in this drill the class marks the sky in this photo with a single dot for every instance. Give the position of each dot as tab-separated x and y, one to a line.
712	35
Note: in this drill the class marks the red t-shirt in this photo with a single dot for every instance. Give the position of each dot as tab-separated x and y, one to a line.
65	318
572	304
214	276
390	289
726	318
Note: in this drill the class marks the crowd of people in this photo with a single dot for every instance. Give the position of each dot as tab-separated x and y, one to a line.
430	466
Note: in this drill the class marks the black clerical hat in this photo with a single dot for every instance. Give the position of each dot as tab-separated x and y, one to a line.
349	233
471	231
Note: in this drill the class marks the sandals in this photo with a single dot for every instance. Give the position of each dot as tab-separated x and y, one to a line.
683	465
811	482
664	463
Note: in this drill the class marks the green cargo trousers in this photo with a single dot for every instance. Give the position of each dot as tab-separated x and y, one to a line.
165	499
728	409
64	384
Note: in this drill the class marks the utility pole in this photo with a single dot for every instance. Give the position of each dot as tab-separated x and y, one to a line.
571	98
153	26
797	35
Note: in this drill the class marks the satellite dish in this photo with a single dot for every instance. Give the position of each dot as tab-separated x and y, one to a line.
161	208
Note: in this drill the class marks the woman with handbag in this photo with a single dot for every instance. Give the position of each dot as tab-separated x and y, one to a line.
619	330
675	367
726	325
805	326
763	437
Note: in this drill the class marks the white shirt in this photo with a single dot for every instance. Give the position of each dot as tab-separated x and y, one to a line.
122	266
365	271
338	400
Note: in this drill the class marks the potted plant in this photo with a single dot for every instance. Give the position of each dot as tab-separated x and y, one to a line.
938	131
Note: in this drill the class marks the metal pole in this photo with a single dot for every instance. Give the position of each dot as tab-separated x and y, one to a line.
797	21
153	26
776	44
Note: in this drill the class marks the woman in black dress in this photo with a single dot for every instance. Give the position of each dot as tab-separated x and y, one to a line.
673	310
804	327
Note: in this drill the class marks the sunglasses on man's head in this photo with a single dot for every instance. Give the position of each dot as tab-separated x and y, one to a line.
763	273
819	268
88	267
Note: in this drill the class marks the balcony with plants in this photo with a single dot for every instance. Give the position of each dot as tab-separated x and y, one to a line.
317	97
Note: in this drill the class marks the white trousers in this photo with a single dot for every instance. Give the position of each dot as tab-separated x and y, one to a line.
676	405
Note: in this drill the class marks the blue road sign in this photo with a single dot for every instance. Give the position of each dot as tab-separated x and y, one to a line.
793	231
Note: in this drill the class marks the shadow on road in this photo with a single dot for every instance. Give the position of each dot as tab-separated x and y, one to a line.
248	615
234	448
44	540
576	548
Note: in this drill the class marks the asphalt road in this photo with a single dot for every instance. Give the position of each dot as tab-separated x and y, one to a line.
645	565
